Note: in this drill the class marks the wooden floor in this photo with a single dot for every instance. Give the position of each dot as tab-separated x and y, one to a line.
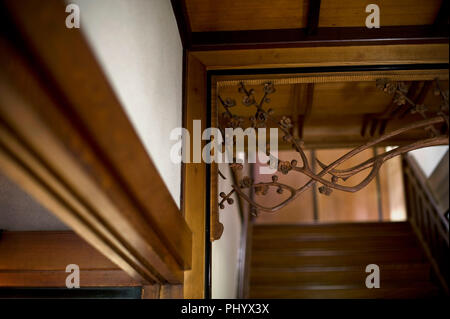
329	261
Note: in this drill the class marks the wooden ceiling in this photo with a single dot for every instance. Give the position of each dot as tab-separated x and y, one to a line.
232	15
335	114
234	24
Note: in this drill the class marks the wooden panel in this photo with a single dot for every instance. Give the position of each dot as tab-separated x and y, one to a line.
81	160
352	13
332	95
39	259
194	180
392	191
212	15
233	15
293	260
348	98
343	206
324	56
409	291
345	131
355	275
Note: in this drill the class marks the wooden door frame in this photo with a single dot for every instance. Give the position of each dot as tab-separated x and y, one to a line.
201	65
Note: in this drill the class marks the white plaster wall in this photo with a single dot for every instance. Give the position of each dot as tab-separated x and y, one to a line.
225	251
428	158
138	45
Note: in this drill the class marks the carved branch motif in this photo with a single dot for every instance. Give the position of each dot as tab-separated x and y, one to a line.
436	124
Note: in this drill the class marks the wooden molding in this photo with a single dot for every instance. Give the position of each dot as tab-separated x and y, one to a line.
65	138
324	56
200	62
311	36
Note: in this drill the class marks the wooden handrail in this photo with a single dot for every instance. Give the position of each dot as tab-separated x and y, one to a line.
431	227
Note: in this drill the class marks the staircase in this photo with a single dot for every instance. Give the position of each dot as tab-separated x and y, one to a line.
329	261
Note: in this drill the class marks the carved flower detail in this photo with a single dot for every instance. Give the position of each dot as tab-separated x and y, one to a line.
288	138
325	190
261	189
246	182
248	100
229	102
259	120
269	88
236	166
286	122
399	99
386	86
284	167
235	121
419	108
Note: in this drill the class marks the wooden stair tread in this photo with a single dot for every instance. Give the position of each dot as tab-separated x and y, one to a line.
328	261
293	261
369	243
415	290
420	272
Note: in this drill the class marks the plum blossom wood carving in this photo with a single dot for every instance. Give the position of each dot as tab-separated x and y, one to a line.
436	125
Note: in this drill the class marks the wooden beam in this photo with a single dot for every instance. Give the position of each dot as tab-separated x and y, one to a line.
184	27
66	139
312	36
302	104
39	259
313	17
324	56
194	181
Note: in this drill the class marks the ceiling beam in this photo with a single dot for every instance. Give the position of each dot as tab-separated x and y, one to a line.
302	104
344	36
184	26
313	17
